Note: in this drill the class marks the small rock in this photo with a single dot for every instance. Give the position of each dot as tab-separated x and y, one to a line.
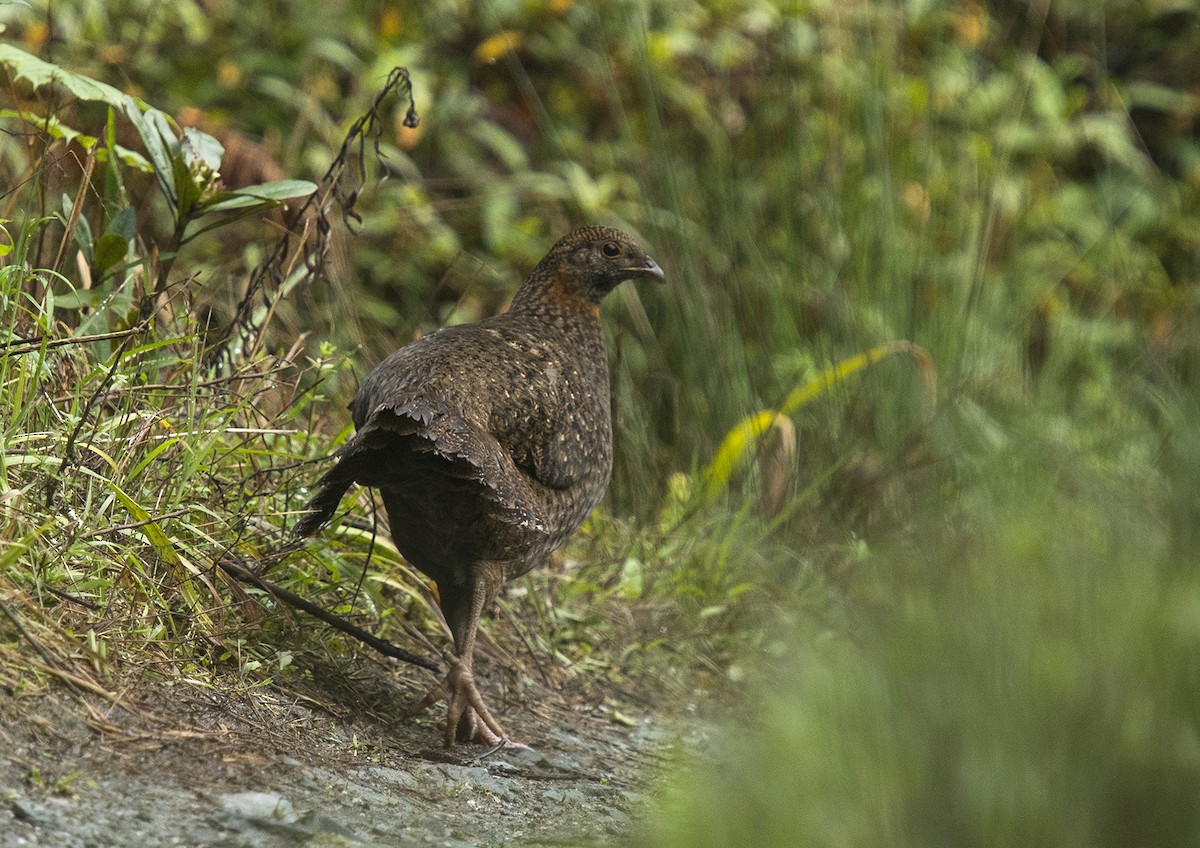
259	806
383	775
601	790
521	756
499	788
315	823
26	812
568	796
562	762
569	740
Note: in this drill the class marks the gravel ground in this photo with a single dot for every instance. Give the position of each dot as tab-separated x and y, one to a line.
268	769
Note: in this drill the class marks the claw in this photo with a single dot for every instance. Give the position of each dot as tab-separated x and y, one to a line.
467	717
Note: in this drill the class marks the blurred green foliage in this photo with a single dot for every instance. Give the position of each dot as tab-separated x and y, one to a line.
970	618
819	179
1022	671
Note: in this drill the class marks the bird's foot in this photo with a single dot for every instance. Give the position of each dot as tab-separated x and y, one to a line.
467	716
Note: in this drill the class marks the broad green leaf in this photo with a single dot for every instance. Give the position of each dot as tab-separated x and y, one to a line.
187	190
80	298
109	250
266	194
199	147
55	128
123	224
161	146
127	157
225	201
83	238
52	126
39	72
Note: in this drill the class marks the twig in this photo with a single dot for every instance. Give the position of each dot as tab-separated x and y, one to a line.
76	209
35	644
71	599
276	267
381	645
78	682
504	742
528	648
50	666
133	525
12	349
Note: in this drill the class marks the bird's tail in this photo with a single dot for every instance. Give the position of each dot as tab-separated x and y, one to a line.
321	506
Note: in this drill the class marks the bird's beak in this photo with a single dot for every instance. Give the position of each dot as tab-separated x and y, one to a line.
649	269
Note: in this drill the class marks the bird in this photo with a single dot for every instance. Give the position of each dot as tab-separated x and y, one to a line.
490	443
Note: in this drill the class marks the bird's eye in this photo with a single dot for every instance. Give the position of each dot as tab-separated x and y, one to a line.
611	249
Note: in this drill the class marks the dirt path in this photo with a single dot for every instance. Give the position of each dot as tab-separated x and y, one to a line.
193	767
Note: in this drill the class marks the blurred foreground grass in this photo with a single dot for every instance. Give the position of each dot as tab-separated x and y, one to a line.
1022	669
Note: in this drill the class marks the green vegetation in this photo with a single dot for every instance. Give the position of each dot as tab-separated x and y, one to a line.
957	587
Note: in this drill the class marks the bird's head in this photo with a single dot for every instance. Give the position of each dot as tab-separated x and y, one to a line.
585	265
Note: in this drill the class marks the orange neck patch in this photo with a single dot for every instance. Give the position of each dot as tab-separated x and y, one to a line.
563	293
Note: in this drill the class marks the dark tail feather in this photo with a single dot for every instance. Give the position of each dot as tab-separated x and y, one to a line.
322	505
358	462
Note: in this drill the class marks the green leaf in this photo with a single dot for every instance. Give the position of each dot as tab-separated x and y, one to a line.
109	250
225	201
123	224
39	72
80	298
745	434
266	194
187	191
280	189
199	147
52	126
127	157
180	569
83	238
160	145
1161	98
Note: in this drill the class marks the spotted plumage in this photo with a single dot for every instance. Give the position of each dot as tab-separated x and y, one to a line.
491	443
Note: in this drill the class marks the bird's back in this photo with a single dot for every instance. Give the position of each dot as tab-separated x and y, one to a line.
487	441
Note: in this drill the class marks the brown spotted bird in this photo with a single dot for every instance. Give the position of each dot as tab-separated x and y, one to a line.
490	443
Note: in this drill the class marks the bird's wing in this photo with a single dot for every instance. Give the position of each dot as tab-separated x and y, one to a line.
525	437
557	463
471	453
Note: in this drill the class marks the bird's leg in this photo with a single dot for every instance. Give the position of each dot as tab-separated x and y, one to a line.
468	718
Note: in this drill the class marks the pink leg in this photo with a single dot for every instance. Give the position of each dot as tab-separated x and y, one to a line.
467	716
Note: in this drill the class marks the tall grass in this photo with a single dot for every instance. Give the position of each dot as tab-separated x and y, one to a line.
127	468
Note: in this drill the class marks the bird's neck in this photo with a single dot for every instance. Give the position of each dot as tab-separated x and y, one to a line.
553	293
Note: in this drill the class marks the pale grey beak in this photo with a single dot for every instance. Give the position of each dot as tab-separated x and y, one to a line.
649	269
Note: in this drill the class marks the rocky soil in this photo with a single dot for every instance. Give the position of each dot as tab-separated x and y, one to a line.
192	766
